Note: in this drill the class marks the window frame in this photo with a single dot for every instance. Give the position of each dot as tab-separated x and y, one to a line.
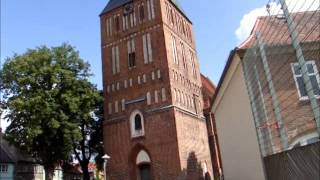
132	60
137	125
132	55
142	15
117	23
315	73
136	133
4	168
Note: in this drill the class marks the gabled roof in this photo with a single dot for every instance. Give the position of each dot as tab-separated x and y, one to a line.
114	4
11	154
4	157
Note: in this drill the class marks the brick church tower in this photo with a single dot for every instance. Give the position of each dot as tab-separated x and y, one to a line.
154	125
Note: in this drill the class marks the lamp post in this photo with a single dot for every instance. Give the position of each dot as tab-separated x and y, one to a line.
105	158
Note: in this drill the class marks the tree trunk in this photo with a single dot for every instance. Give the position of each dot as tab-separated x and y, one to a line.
49	171
85	170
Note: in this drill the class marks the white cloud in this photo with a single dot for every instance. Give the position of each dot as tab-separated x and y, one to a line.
248	20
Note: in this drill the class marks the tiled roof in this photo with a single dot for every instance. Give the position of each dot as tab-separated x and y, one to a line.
208	85
113	4
274	30
12	154
4	157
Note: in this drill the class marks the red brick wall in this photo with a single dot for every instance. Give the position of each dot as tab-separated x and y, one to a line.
297	114
175	133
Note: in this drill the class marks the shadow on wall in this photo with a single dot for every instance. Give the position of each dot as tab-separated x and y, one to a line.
195	171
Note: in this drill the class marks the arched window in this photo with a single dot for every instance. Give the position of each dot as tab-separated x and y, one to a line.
136	124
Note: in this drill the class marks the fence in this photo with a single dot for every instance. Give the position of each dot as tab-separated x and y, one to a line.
298	164
281	61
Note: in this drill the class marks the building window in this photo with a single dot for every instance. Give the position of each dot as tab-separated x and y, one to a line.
314	78
3	168
151	12
125	22
117	23
147	48
133	20
137	124
131	53
109	26
115	60
132	60
141	13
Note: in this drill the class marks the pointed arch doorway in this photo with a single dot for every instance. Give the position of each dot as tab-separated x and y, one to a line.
143	164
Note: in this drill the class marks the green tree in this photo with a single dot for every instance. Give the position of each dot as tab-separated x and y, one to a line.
90	145
48	95
97	136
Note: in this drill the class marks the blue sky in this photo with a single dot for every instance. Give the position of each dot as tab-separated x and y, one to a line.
31	23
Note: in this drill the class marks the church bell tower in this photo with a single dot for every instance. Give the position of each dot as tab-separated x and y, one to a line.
154	126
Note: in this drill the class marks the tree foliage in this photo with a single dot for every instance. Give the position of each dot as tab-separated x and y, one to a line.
48	96
90	145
